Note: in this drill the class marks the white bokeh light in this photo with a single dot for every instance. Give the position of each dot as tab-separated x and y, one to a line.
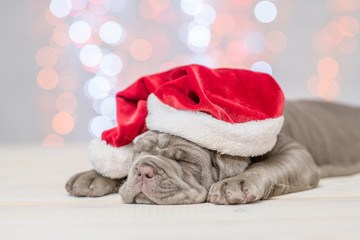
262	66
199	36
80	32
265	11
108	108
255	42
90	55
192	7
99	124
60	8
112	33
98	87
206	16
111	64
96	103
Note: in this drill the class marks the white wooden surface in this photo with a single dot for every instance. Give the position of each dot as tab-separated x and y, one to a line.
35	205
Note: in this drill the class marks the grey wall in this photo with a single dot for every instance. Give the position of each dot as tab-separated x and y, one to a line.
20	115
22	119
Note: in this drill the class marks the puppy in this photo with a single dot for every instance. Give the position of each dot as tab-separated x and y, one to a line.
318	139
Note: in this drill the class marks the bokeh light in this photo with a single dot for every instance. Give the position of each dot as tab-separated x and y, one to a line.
237	51
192	7
262	66
88	16
146	11
46	57
241	3
96	2
99	124
265	11
141	49
199	36
203	59
60	8
206	16
51	19
111	64
115	5
47	78
60	35
108	108
66	102
68	80
320	44
347	45
97	9
343	6
332	33
328	89
79	4
313	84
98	87
63	123
225	23
234	34
90	55
160	41
254	42
327	67
159	5
80	32
275	41
349	26
53	140
112	33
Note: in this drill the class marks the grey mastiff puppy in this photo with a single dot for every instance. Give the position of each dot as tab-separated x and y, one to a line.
318	139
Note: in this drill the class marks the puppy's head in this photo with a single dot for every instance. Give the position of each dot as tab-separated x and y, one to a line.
171	170
168	170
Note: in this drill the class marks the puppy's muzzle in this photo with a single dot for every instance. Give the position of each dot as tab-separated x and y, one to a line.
145	172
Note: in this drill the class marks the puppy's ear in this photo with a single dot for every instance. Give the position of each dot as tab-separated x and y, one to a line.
230	166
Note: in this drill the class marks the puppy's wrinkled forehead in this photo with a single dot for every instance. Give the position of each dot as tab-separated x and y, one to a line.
162	144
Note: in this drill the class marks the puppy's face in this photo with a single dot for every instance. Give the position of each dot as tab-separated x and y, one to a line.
171	170
168	170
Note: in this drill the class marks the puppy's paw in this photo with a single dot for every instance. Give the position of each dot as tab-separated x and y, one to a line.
91	184
236	190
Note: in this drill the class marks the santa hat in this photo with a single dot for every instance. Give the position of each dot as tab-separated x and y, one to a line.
232	111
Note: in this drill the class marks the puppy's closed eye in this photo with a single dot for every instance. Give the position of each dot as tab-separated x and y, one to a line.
177	154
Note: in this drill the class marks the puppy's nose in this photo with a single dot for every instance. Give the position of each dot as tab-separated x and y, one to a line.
146	171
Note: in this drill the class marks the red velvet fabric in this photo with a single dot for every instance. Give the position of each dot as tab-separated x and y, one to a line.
230	95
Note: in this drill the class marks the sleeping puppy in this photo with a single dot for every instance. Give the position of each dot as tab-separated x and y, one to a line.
318	139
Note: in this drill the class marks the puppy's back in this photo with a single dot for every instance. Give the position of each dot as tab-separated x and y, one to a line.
330	132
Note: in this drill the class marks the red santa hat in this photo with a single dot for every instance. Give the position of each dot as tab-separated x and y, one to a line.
232	111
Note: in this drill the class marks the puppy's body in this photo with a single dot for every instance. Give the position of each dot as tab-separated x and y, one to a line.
330	132
318	139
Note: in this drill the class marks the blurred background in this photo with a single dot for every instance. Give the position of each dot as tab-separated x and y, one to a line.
62	61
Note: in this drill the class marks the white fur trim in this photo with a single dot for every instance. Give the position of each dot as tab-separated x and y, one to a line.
109	161
241	139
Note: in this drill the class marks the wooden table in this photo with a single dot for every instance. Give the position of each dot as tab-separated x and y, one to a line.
35	205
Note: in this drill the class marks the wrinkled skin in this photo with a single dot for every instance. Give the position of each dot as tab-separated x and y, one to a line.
182	172
171	170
